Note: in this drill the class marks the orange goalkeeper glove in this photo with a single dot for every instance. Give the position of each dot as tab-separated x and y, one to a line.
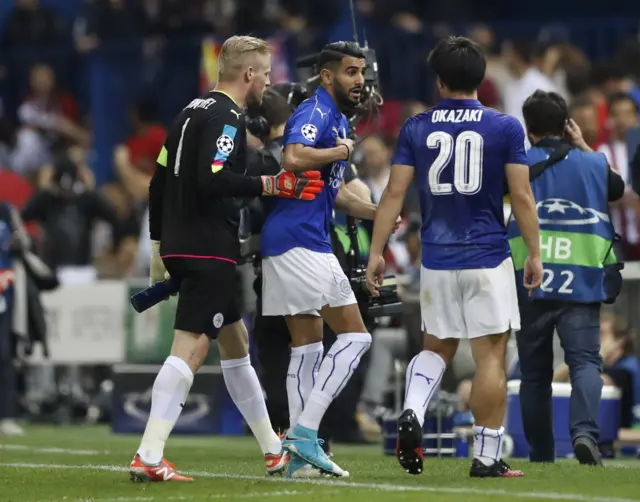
304	186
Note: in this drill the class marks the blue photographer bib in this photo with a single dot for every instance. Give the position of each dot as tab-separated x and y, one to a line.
576	234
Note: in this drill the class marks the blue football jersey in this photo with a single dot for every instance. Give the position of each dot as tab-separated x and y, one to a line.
459	150
292	223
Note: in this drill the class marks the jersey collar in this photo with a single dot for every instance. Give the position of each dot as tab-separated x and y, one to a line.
227	95
457	103
325	98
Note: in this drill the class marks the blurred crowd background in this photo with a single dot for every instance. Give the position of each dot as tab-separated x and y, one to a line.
88	88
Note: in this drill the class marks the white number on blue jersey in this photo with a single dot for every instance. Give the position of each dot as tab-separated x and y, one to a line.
467	169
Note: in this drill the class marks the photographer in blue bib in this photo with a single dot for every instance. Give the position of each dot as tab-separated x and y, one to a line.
572	186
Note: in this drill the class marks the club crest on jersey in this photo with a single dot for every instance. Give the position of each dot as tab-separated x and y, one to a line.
309	131
224	145
345	286
218	319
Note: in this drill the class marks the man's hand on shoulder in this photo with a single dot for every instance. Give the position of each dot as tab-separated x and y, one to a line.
348	144
304	186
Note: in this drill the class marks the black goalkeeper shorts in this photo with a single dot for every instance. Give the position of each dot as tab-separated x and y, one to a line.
209	295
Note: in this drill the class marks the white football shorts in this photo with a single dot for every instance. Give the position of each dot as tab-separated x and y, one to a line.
469	303
302	281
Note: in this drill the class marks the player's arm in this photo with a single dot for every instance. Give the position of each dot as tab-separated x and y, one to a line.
156	195
302	131
523	203
355	184
351	204
390	205
298	157
217	154
218	149
157	271
615	185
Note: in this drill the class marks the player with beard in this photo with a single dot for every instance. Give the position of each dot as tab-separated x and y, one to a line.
302	278
193	222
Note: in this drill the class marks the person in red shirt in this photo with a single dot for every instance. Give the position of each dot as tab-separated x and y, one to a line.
135	160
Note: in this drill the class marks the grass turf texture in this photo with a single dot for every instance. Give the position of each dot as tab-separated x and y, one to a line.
90	464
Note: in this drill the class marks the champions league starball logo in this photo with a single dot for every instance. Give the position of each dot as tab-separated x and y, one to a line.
566	212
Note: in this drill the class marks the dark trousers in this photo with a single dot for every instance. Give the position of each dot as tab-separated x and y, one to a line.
578	327
8	381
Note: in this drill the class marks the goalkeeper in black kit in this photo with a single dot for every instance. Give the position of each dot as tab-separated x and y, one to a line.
194	215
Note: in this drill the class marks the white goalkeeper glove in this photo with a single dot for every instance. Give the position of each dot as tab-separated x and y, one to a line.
157	272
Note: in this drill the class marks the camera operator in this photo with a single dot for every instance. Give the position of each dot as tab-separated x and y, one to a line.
270	333
573	186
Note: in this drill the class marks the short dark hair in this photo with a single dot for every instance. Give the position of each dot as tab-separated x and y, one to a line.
334	52
459	62
545	114
274	108
620	97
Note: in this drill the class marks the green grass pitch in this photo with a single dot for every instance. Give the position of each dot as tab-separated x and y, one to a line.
75	464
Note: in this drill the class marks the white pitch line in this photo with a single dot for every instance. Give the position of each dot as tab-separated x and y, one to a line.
285	493
22	447
348	484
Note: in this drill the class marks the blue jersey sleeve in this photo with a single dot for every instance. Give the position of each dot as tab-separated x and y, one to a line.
515	152
307	124
404	150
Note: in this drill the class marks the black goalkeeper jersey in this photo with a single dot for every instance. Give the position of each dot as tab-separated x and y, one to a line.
194	210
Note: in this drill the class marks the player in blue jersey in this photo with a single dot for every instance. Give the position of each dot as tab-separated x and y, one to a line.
303	279
461	153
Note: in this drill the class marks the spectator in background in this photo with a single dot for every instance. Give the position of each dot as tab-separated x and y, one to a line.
599	90
489	92
623	116
31	24
520	56
108	20
175	17
629	58
222	16
135	161
497	70
560	61
376	166
46	115
584	112
120	262
8	140
66	209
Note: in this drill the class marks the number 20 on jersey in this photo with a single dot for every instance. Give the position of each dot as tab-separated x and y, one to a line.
467	167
